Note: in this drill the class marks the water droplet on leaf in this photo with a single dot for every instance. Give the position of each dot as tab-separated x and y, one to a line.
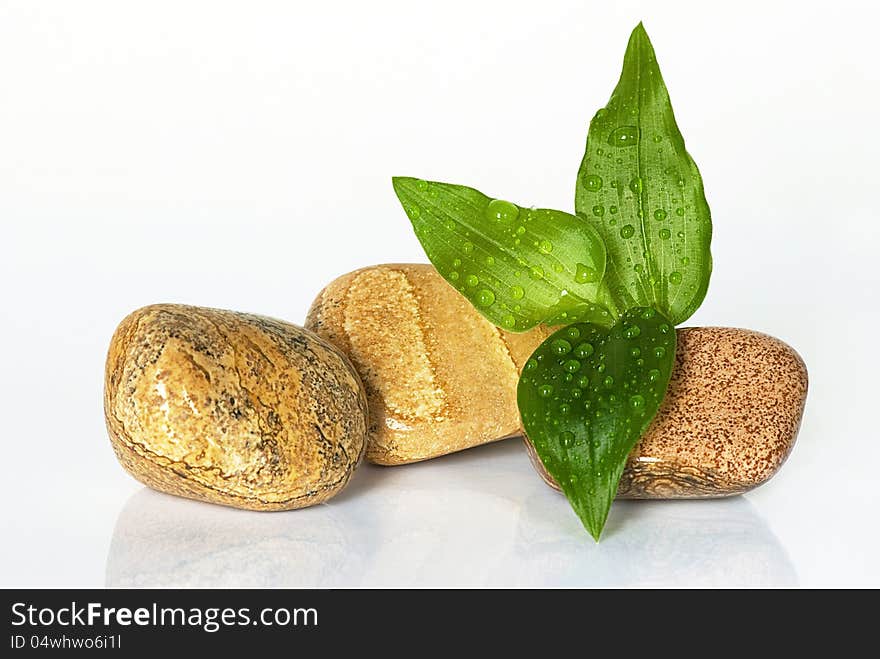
561	347
584	350
584	274
624	136
572	366
502	211
485	298
593	182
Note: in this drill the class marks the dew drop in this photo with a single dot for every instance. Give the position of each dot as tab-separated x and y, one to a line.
659	352
485	298
545	390
635	352
584	274
636	185
414	212
675	277
624	136
531	365
648	314
467	248
685	260
560	347
573	333
517	292
608	381
583	382
627	231
613	210
454	275
660	214
502	211
653	375
679	212
508	321
545	247
593	182
632	331
567	438
637	402
598	210
472	280
456	263
572	365
584	350
536	272
665	234
490	260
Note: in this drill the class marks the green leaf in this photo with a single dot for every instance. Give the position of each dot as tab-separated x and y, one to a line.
642	191
587	394
518	266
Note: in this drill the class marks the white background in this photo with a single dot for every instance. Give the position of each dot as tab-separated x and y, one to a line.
240	155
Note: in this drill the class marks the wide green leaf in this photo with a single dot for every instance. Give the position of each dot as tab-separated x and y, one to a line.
518	266
641	190
587	394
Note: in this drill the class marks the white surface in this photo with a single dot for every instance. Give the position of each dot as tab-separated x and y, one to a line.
239	156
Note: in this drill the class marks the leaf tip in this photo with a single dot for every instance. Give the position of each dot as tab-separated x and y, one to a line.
398	182
640	34
595	527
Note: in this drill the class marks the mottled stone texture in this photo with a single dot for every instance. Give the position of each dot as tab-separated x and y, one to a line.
729	419
439	377
232	408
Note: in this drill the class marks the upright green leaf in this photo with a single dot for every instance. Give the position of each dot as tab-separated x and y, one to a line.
518	266
587	394
642	191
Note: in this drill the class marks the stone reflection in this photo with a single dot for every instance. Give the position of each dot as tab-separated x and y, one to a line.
722	542
479	518
165	541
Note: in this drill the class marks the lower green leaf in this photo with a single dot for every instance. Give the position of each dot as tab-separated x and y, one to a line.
587	394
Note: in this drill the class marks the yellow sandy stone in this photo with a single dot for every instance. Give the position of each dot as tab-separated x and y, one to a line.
439	377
